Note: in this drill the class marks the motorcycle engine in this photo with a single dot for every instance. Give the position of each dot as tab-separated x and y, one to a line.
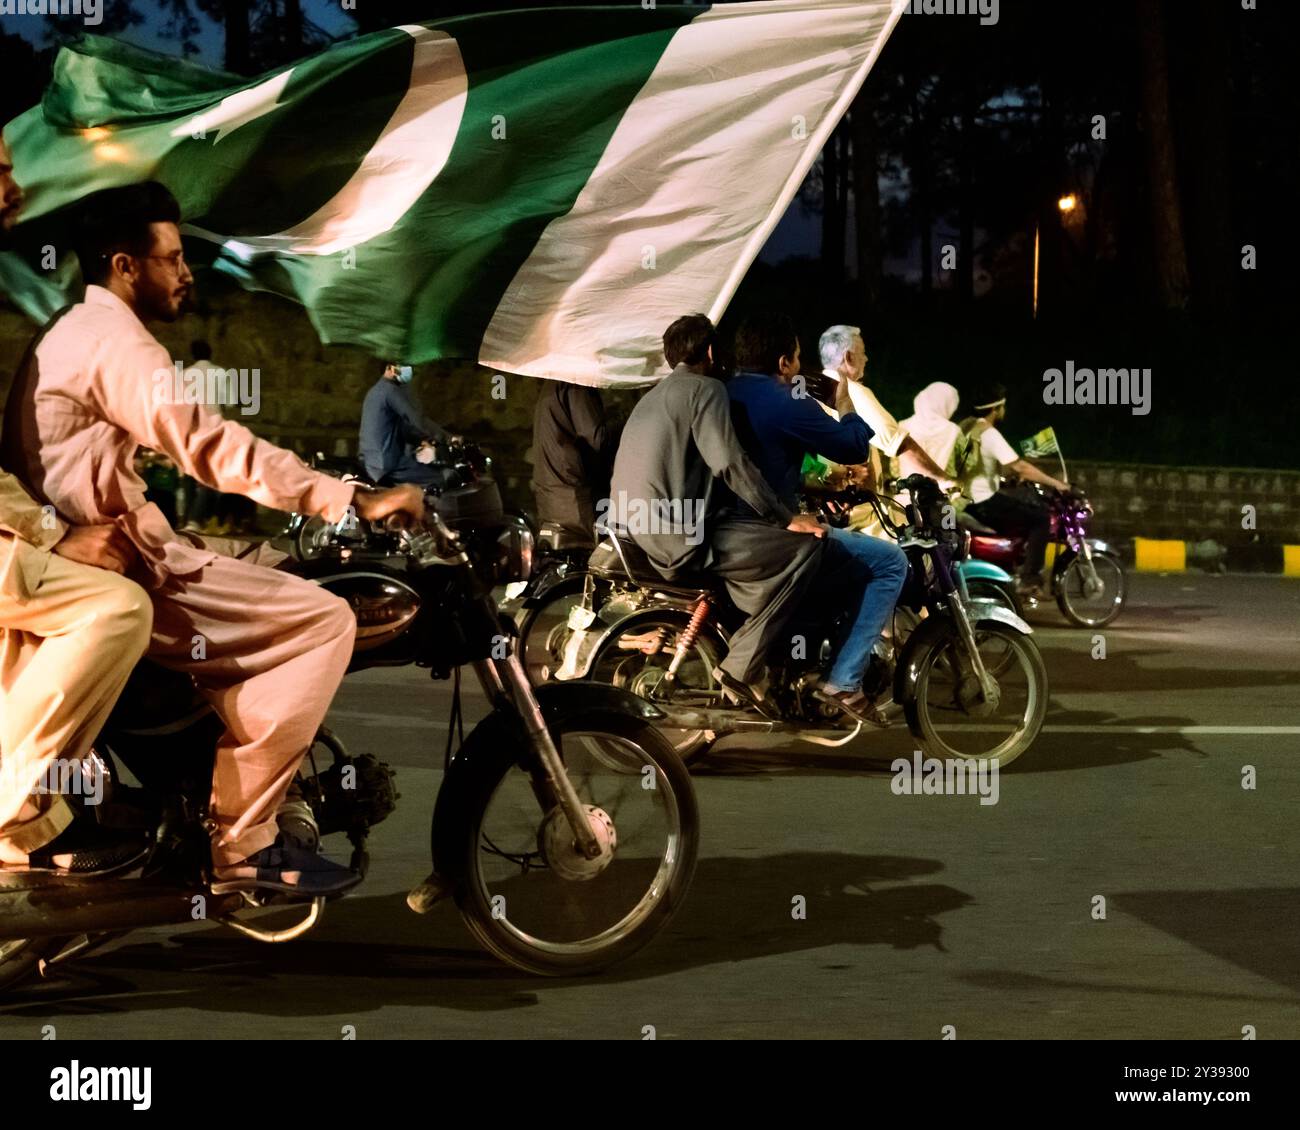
352	795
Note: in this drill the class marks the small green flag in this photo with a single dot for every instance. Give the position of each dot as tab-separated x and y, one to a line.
1040	444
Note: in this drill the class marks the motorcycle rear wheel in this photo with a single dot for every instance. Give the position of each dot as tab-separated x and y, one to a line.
620	666
502	852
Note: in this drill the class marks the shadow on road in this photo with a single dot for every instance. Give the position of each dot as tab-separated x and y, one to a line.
1073	671
1050	753
738	909
1257	929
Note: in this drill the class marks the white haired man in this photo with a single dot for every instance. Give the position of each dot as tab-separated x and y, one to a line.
844	361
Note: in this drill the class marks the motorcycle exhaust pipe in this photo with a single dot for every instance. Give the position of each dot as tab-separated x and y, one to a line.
42	907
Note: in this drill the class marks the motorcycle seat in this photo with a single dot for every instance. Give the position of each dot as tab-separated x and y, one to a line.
606	562
561	538
967	521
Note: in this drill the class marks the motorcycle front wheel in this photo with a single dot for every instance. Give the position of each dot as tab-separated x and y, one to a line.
1091	597
525	892
948	712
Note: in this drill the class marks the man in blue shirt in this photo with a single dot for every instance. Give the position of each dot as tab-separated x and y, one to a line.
393	429
778	423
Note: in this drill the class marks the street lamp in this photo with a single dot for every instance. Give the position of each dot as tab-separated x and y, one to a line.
1065	205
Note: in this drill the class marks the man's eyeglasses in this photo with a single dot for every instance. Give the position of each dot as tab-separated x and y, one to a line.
174	261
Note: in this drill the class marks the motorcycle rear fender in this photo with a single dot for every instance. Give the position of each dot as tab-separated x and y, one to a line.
551	581
631	620
908	671
974	570
1062	562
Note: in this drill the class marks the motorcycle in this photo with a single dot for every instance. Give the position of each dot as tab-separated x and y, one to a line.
978	580
565	828
965	674
1087	577
464	465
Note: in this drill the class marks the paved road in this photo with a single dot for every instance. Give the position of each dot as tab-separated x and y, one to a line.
921	911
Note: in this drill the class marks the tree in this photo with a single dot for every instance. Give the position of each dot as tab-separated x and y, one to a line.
1172	283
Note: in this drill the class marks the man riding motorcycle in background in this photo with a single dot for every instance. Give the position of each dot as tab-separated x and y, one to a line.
1010	515
778	426
266	649
677	444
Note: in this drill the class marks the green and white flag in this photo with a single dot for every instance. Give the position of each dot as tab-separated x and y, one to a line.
1040	444
543	191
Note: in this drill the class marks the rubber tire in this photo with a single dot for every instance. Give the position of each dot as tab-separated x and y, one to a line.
704	742
918	720
1063	603
489	752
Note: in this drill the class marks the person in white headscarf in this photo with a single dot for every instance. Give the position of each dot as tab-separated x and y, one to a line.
932	428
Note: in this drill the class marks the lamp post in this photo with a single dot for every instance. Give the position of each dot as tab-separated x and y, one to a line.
1065	205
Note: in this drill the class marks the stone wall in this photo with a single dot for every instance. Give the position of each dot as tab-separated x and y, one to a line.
1191	504
311	400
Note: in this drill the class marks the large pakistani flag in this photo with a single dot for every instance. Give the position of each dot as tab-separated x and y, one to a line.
541	190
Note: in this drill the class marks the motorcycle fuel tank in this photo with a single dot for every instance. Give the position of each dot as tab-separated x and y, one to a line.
385	606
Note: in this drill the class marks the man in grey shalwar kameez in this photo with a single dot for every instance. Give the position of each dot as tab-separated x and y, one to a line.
678	442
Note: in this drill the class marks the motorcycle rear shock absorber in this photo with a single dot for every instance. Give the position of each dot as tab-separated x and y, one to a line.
699	617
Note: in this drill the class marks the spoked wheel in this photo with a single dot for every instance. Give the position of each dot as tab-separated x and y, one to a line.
1091	594
544	631
638	659
1003	597
954	719
526	892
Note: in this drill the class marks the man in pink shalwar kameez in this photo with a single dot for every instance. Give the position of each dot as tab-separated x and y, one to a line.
267	649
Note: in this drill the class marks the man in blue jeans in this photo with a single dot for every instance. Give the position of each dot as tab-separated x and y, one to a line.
778	423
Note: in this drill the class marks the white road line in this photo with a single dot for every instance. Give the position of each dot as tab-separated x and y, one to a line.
1101	731
1171	729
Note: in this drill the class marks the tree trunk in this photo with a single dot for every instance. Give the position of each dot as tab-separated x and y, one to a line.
966	201
1172	282
291	28
866	198
235	18
834	212
1213	261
